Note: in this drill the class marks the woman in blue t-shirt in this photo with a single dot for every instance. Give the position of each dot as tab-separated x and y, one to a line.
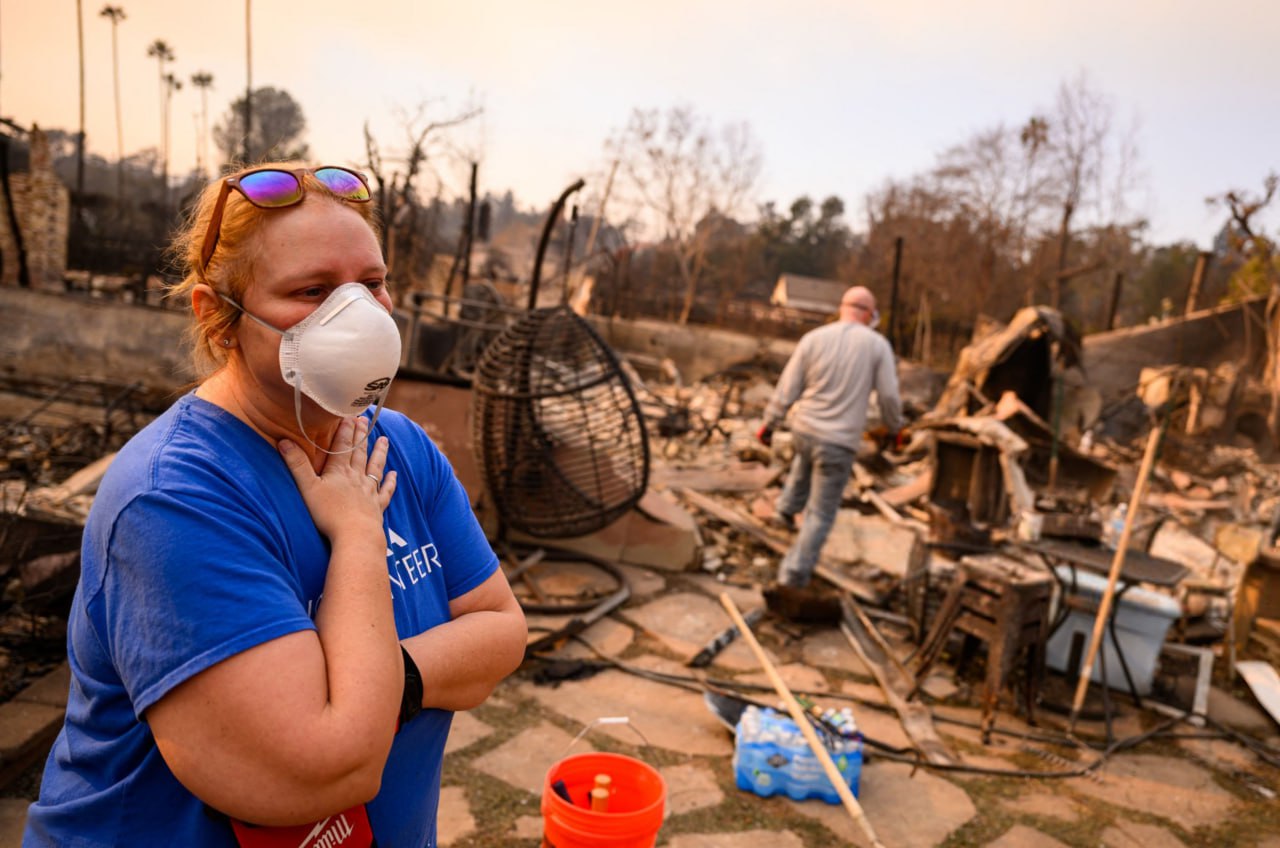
284	593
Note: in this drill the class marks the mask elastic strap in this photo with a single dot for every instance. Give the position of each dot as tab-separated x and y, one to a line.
377	410
297	411
249	314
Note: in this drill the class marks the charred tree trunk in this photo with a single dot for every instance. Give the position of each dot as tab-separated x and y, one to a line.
1064	237
1273	360
1116	287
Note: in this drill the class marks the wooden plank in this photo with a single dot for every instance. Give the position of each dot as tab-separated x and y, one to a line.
871	497
1266	635
1268	625
1264	683
747	477
900	496
887	509
896	683
86	479
1174	501
748	524
853	586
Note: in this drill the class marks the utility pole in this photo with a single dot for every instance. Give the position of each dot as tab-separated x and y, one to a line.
248	81
1197	280
469	230
893	296
80	144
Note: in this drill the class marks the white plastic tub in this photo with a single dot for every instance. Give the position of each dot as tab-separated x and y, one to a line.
1142	622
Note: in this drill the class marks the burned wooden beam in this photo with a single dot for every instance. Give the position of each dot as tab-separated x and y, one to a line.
738	520
896	682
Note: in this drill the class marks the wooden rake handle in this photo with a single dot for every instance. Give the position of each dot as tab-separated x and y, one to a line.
1113	576
802	721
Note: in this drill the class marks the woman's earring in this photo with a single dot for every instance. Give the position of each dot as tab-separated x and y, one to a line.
226	342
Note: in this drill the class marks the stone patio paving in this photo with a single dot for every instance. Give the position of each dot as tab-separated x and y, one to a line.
1164	793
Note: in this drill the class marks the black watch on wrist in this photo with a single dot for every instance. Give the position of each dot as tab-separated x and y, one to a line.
411	700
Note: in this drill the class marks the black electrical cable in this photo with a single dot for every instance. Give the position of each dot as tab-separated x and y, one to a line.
912	757
889	752
1263	751
552	554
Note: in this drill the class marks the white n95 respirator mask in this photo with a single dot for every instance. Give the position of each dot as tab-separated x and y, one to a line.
343	355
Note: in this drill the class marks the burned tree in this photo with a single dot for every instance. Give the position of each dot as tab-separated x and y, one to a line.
1258	274
277	129
676	173
1090	166
1012	213
395	175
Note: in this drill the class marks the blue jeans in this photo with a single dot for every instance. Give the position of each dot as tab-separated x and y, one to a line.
819	473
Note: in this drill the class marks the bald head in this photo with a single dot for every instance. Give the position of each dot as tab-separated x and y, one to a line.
858	304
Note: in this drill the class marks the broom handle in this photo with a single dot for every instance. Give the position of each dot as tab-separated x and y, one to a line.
1117	565
802	721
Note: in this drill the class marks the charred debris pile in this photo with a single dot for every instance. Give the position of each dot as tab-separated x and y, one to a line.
998	521
1021	471
57	437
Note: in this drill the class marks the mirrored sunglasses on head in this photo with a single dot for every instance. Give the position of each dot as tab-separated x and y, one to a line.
276	188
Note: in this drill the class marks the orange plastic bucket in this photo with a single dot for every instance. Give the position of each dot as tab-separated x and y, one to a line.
636	803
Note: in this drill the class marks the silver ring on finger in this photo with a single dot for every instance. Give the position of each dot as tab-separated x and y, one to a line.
377	481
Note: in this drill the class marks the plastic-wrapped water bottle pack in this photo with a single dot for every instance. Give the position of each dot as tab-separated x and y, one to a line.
771	756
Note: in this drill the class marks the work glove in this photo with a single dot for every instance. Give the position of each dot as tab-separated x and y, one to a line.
880	437
765	435
901	439
889	440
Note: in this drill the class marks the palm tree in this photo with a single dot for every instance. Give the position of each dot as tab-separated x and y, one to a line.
171	84
162	52
116	14
203	80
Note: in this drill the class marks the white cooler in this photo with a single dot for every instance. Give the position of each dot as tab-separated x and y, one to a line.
1142	620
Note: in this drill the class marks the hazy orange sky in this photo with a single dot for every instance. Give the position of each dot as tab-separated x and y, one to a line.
841	95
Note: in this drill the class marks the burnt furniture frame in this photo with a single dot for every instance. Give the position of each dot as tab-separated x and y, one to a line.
1005	604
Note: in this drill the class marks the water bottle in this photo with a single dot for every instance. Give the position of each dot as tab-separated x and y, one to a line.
1114	528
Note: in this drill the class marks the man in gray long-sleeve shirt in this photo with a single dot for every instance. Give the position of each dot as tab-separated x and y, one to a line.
826	385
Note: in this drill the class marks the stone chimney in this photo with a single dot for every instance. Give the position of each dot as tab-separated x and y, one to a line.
42	206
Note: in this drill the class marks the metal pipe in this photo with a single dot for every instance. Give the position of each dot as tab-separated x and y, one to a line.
568	254
552	217
469	232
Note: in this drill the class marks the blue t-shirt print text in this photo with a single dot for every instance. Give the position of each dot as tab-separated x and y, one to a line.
408	564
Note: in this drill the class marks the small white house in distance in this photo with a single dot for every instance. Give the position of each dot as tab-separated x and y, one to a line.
808	294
